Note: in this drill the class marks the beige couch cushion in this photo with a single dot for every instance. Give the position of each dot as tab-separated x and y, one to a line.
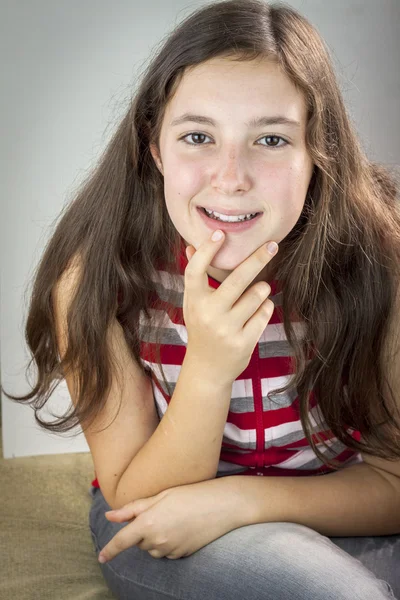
46	547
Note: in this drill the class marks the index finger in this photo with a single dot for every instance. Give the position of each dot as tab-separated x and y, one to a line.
196	269
196	273
239	280
124	539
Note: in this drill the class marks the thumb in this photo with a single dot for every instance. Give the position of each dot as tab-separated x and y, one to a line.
131	510
189	252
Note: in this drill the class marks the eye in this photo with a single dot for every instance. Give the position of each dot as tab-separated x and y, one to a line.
197	133
192	134
275	137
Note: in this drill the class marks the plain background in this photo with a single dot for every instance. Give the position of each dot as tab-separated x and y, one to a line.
67	72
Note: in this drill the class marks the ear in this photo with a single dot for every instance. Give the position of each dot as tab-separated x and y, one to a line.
156	156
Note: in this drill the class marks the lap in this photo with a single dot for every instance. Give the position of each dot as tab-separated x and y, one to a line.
278	561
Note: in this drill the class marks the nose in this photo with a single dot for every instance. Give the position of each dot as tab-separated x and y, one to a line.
230	172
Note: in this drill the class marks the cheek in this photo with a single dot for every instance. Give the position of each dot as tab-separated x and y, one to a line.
285	188
185	176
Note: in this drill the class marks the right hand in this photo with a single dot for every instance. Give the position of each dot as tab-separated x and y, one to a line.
224	325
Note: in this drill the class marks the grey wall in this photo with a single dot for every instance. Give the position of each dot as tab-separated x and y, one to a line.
66	74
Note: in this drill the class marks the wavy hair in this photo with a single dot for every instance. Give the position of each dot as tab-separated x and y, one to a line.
337	267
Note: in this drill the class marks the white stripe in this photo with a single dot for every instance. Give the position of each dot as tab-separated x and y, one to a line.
299	460
269	384
159	398
171	371
234	434
275	332
305	456
167	280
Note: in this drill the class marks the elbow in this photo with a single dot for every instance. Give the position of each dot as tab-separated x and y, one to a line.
126	492
120	499
114	497
116	505
112	500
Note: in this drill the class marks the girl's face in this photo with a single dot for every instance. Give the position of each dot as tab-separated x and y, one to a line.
231	164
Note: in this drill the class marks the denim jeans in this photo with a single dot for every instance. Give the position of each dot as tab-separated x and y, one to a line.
263	561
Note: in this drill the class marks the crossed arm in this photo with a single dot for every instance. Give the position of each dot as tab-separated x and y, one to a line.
359	500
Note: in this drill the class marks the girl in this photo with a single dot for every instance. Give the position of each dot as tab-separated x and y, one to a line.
196	365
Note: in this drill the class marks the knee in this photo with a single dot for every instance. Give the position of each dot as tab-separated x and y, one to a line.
289	557
282	537
279	545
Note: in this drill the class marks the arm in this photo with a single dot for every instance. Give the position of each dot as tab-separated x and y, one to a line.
360	500
185	448
356	501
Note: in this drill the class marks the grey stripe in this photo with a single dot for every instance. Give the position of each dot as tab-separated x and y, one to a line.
275	348
174	294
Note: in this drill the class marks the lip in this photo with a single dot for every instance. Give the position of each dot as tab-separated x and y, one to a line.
230	227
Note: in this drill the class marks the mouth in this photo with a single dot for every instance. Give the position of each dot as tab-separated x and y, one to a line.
229	226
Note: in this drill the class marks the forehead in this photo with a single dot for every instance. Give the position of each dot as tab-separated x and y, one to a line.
224	87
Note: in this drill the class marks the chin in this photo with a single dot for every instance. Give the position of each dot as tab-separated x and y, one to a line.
225	265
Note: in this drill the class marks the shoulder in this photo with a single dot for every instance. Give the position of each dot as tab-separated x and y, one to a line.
390	358
65	287
72	270
390	364
392	341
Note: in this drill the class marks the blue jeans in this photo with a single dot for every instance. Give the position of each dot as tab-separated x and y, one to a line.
265	561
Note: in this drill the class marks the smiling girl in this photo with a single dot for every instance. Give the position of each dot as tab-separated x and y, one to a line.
241	406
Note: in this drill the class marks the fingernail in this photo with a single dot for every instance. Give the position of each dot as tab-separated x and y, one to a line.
272	247
111	512
102	558
217	235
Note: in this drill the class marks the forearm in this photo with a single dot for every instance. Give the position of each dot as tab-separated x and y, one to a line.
355	501
185	448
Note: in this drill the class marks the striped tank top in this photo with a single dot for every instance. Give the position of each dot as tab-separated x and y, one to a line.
262	436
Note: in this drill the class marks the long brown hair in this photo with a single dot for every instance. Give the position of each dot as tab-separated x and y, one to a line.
337	267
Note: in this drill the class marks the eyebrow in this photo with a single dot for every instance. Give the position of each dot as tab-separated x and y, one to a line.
257	122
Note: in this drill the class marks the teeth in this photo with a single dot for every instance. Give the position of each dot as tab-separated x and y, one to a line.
227	218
